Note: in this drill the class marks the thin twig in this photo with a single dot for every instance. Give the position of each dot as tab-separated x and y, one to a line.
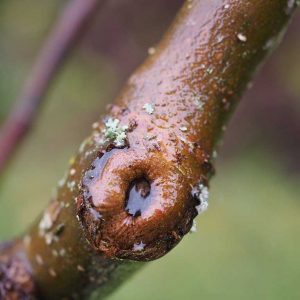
68	29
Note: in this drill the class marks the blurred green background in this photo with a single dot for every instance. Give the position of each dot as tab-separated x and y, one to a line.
247	244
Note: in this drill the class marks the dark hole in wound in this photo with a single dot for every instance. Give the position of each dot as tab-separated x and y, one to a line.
138	197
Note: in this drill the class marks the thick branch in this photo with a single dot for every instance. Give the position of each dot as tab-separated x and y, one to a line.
68	30
140	179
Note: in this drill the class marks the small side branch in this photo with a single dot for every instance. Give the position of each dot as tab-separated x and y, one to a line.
69	28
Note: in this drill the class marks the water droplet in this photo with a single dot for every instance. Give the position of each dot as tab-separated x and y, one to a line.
52	272
194	227
39	259
242	37
139	247
151	51
138	197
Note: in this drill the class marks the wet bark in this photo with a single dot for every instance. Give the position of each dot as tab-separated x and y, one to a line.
139	180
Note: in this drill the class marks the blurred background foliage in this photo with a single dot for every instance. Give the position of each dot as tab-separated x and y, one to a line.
247	245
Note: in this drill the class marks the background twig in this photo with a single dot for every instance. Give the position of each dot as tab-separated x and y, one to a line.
69	28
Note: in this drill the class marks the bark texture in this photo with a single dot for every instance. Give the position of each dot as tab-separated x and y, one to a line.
16	280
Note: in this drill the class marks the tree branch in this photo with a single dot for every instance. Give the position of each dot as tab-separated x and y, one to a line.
69	28
139	180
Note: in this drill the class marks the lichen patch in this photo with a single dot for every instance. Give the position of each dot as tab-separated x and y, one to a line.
115	132
148	107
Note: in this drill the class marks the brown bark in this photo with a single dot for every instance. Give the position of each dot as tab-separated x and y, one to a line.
16	280
139	180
